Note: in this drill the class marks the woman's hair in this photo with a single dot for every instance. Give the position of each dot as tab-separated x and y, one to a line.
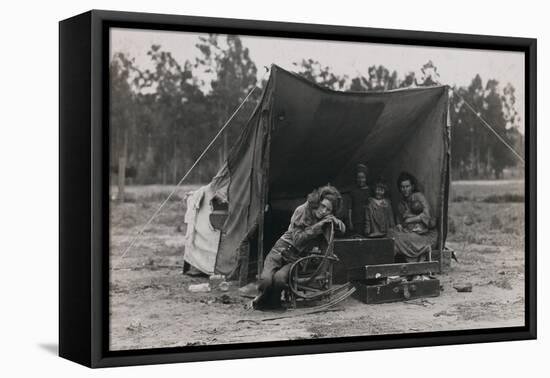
406	176
325	192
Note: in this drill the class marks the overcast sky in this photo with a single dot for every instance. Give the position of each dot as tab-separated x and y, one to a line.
455	66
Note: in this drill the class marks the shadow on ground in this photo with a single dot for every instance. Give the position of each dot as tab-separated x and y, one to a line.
52	348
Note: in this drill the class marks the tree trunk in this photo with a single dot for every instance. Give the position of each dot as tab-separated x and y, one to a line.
122	168
222	154
472	158
175	164
478	162
489	164
224	147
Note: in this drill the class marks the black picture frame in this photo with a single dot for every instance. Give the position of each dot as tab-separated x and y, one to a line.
84	188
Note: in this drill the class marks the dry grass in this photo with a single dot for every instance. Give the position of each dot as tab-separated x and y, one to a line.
482	190
481	213
151	306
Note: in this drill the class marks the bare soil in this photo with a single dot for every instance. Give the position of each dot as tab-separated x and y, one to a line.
151	306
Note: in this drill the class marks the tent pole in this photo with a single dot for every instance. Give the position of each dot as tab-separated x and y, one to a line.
261	239
446	181
264	192
444	204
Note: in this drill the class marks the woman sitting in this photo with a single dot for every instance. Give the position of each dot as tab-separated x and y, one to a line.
415	232
306	231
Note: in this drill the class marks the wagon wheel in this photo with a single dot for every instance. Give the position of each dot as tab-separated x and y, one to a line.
308	284
303	277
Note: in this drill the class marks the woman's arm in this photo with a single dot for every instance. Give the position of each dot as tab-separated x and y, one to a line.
299	228
339	226
389	214
401	212
302	235
413	219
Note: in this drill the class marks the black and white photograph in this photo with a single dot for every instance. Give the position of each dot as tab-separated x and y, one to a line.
274	189
266	189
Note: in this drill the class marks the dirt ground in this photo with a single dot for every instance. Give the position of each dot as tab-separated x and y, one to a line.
151	307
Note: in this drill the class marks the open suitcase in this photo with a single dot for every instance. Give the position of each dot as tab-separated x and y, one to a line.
369	265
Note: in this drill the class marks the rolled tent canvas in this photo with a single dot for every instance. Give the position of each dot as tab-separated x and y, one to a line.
301	136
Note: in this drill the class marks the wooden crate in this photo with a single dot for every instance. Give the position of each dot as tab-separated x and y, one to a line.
379	271
446	259
397	291
356	253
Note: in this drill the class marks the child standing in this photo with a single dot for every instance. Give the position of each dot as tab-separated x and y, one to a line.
359	200
379	214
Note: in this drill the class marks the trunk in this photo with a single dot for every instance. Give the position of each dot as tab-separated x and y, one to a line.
122	168
397	291
164	163
478	162
489	164
224	147
473	165
222	152
225	134
175	164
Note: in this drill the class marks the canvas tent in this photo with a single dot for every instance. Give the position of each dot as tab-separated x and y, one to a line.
301	136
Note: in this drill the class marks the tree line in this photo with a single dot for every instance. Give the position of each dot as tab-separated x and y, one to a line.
162	118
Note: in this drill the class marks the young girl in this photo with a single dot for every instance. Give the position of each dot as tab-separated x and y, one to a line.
379	214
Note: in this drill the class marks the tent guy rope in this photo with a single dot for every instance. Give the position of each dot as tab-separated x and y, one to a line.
486	124
142	229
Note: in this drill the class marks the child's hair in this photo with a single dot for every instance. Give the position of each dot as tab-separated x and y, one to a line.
380	183
363	168
417	207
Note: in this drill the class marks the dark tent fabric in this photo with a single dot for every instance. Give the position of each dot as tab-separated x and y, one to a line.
302	136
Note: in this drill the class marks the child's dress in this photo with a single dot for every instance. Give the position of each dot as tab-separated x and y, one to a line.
378	217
